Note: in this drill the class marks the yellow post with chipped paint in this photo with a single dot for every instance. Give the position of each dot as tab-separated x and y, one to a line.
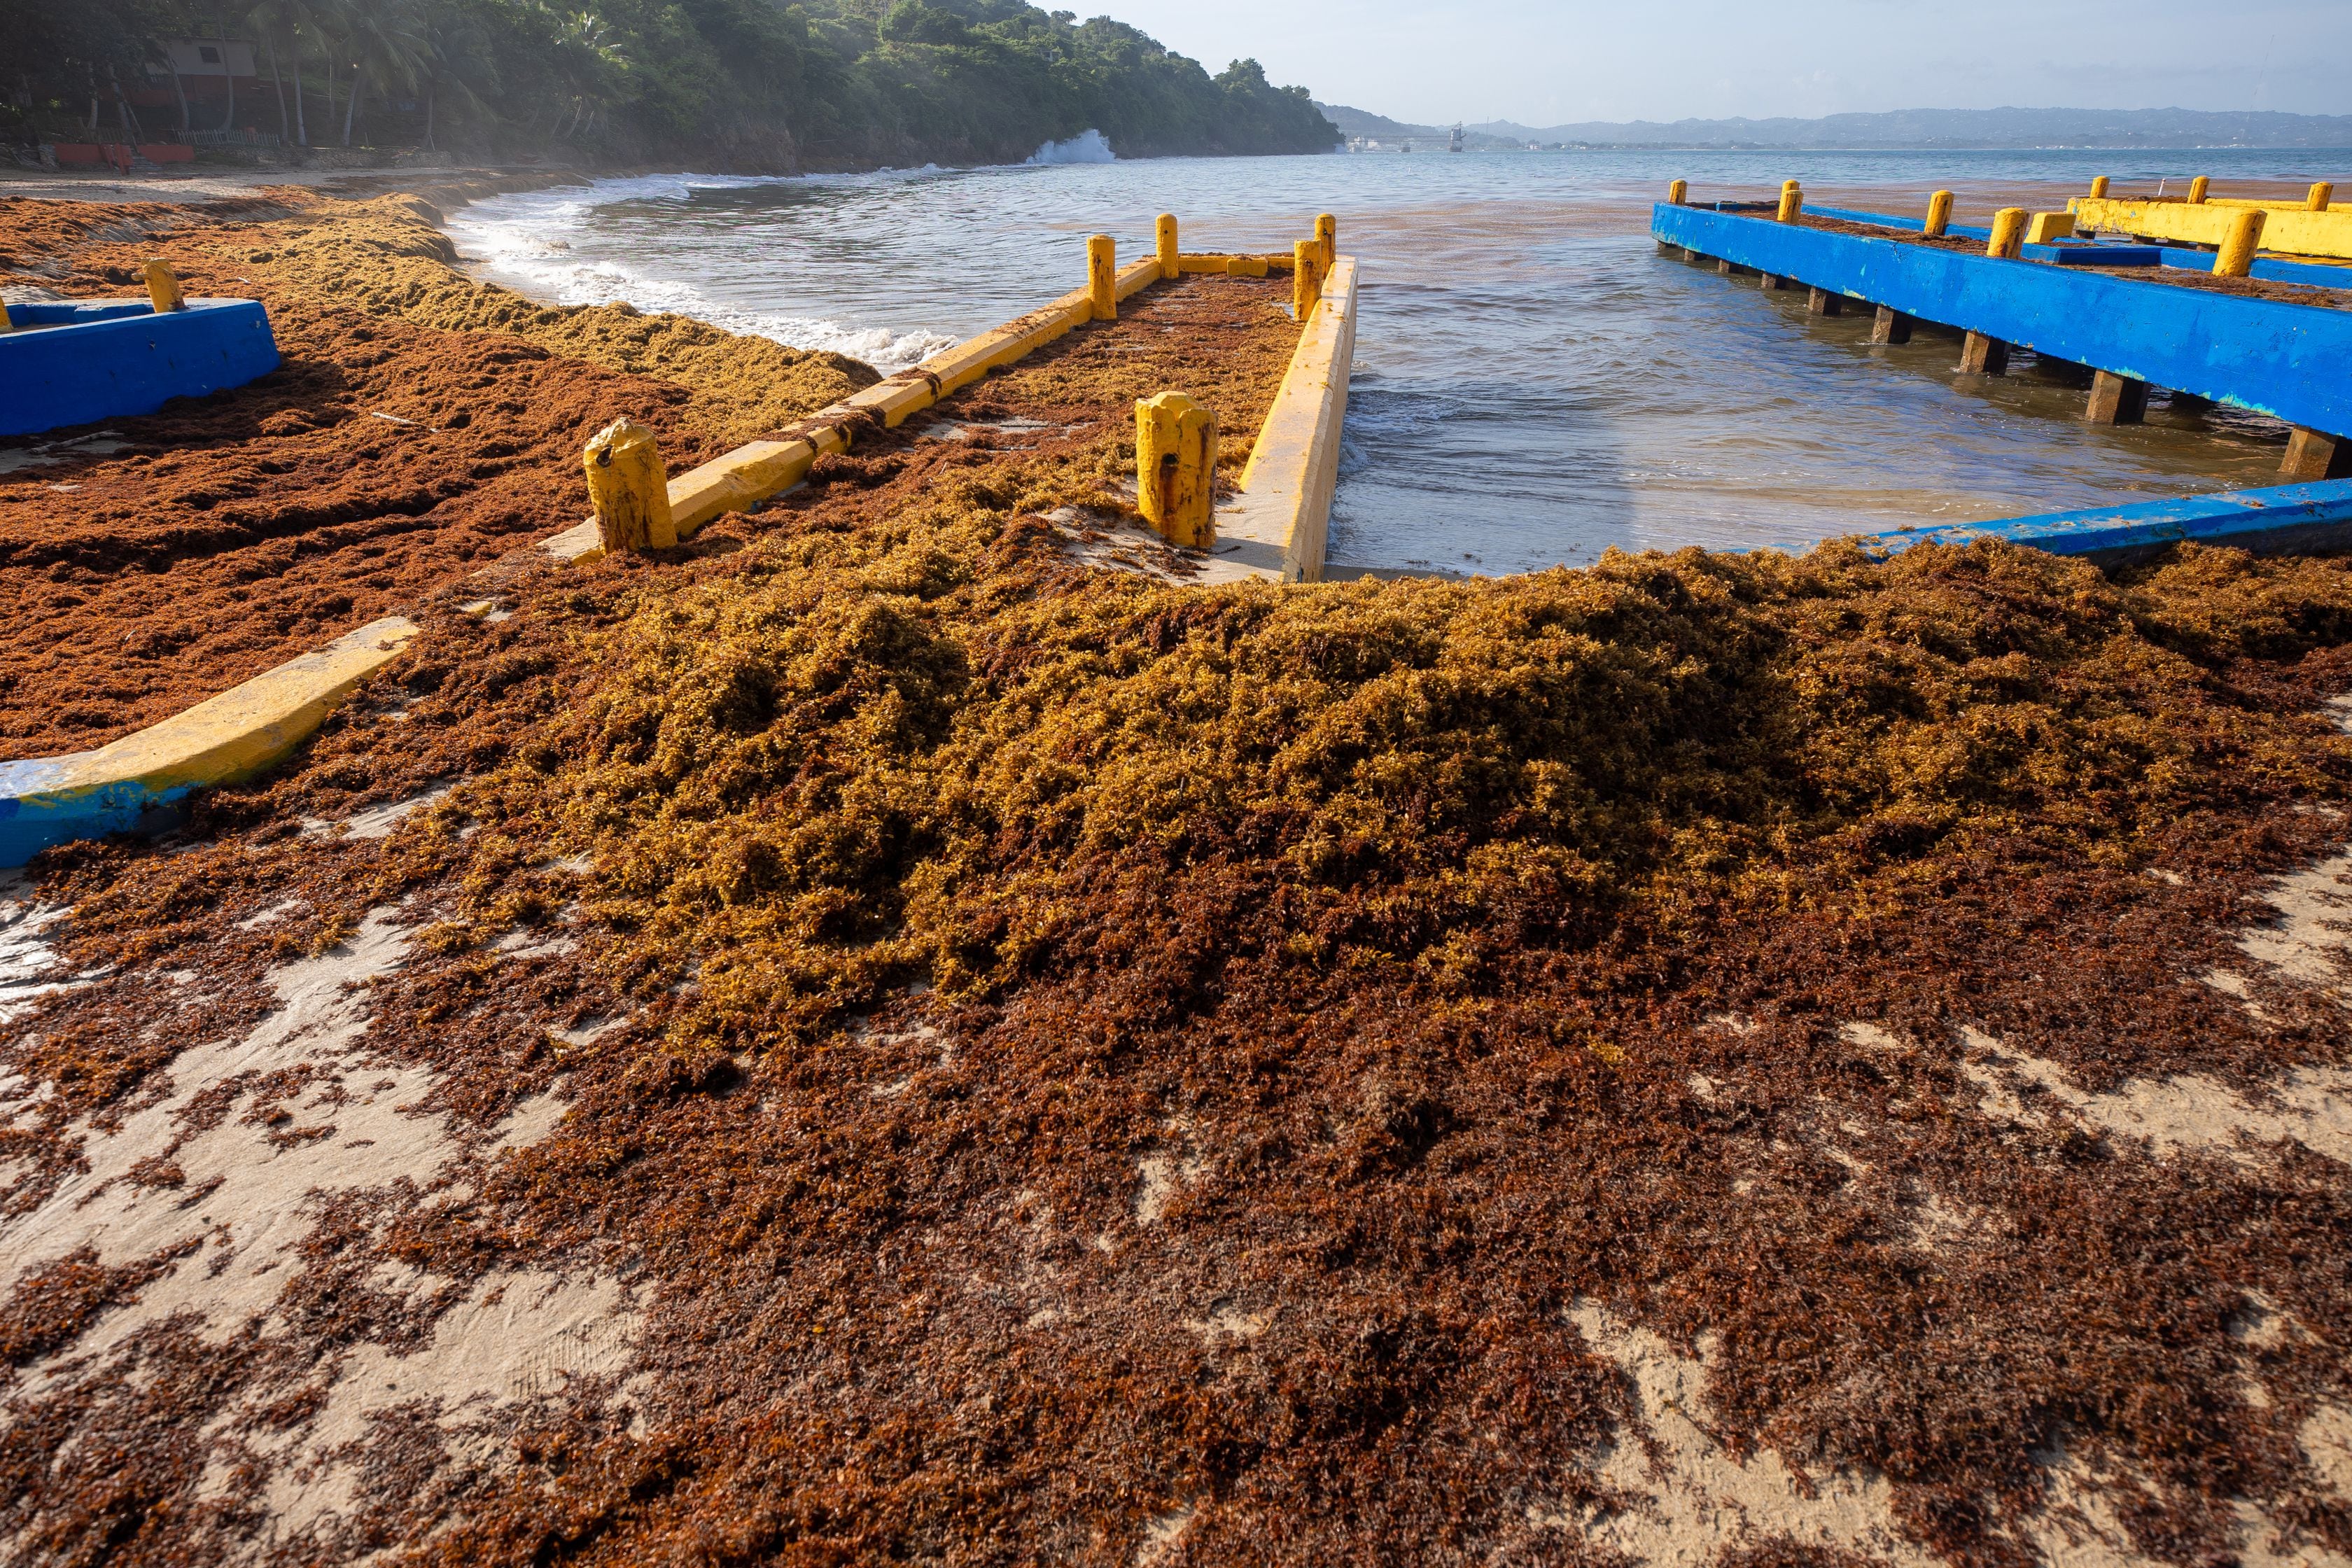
1678	194
1327	240
1939	214
1102	277
1164	234
164	287
2007	232
630	489
2316	199
2098	187
6	325
1176	469
1792	202
2237	257
2197	189
1306	277
2043	227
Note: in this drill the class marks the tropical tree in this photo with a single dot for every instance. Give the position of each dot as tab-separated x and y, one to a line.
457	55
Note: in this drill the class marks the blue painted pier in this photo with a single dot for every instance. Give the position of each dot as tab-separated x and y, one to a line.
2276	521
2276	358
73	362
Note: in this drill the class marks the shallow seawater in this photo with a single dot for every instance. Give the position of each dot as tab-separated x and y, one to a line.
1535	379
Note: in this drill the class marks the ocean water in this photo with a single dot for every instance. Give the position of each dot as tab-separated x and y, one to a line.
1535	381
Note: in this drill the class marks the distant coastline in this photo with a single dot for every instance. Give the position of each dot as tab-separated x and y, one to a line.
1910	130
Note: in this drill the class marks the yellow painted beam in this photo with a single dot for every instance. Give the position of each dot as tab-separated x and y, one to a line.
245	729
1283	512
2287	229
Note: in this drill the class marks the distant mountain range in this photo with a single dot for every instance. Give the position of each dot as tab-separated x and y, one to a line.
2002	128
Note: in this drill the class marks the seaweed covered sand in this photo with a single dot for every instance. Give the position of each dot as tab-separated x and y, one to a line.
883	1042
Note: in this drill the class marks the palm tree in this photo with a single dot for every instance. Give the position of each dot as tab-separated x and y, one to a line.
457	52
387	37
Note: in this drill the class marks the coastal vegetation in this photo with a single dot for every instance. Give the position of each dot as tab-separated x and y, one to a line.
747	83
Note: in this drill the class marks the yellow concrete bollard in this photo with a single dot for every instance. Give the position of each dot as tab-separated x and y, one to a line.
2196	188
1939	214
629	487
1164	233
1306	277
1176	469
1678	194
2007	232
2320	194
6	325
164	287
1326	237
2238	247
1792	202
1102	277
2099	187
2043	227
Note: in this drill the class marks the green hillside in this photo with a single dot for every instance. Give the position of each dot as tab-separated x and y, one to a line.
740	83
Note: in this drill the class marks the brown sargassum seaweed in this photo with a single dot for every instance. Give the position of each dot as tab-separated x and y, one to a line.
1116	1067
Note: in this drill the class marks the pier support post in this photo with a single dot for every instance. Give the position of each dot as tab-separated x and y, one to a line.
1175	468
1102	277
1326	239
629	487
1163	234
2117	400
1982	355
2238	247
1771	280
164	287
2312	455
1725	264
1892	326
1822	302
1939	214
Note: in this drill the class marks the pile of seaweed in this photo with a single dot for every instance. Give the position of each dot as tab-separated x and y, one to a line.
1114	1065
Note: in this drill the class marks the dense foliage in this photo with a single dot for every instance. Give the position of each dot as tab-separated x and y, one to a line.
755	82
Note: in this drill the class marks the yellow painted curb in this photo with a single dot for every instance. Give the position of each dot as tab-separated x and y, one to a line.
2288	228
1278	527
49	800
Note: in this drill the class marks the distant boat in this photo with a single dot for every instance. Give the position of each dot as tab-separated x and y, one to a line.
1408	146
1455	145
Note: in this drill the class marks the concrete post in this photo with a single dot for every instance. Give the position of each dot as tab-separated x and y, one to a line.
2099	187
1306	277
1678	194
2196	188
1327	238
164	287
630	489
1822	302
1982	355
1770	281
2319	196
1164	233
1176	469
1792	201
2007	233
2117	400
1939	214
2312	454
6	325
1102	277
2043	227
2238	247
1891	327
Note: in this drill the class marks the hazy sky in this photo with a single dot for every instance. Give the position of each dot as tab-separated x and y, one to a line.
1655	60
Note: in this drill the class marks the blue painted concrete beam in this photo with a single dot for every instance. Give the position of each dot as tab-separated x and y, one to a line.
109	359
2274	358
2275	520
